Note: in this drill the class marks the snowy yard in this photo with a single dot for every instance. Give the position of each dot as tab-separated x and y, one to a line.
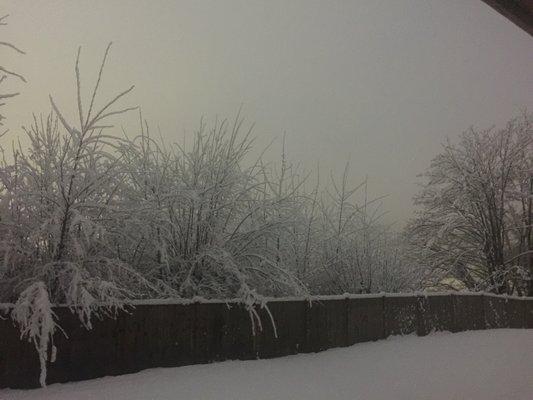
481	365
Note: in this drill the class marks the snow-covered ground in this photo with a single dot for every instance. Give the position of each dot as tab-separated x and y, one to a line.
495	364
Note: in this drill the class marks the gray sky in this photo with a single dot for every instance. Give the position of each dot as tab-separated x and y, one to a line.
381	83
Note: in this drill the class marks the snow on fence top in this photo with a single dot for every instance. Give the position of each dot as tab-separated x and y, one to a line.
263	300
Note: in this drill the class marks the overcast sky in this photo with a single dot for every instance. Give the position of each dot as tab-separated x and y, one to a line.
381	83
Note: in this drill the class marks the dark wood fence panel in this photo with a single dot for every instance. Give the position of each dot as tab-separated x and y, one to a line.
400	315
529	314
19	364
169	335
291	335
516	313
436	314
496	312
365	320
469	312
238	342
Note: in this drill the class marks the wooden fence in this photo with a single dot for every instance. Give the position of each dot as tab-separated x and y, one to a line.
170	335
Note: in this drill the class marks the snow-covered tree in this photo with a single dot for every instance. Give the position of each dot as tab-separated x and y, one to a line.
201	216
57	202
358	252
473	228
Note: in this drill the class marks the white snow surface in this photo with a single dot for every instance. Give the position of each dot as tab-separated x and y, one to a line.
480	365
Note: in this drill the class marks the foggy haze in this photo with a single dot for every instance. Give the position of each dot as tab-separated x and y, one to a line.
378	83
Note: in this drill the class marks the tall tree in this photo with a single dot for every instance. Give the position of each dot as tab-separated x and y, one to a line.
473	227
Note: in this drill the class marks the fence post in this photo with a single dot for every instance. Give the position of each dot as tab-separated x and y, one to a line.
529	314
523	323
308	341
421	329
346	322
483	311
194	327
383	302
454	312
